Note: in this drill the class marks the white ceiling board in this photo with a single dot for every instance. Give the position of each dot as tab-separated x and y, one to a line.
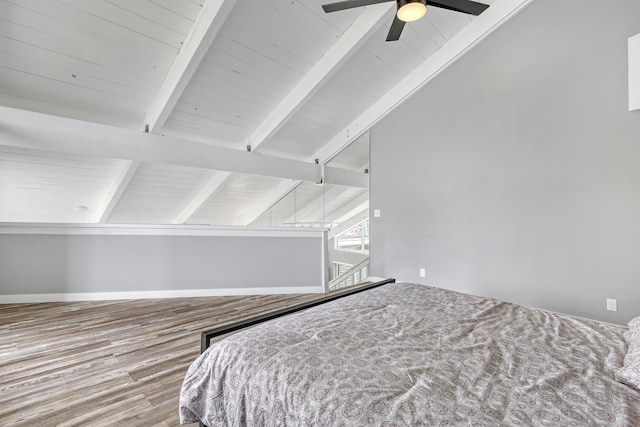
233	102
351	199
85	56
157	193
186	129
20	80
232	198
125	18
323	69
446	22
258	83
363	79
114	93
422	37
367	76
226	134
355	156
264	49
76	33
338	21
141	14
41	186
185	8
201	34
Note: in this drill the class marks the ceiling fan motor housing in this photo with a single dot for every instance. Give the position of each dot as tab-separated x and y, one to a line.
403	2
411	10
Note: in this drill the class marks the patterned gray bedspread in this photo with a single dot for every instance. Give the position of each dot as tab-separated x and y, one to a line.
411	355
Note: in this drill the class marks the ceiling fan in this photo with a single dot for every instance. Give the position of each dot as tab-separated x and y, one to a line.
410	10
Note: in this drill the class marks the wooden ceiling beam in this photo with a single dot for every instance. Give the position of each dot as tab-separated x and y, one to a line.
37	131
358	33
116	188
204	30
202	33
197	203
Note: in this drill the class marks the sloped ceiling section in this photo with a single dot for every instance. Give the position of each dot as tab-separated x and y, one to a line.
280	76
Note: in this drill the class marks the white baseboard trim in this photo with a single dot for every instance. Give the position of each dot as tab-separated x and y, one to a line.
178	293
157	230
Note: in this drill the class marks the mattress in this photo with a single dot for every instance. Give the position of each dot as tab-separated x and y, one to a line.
411	355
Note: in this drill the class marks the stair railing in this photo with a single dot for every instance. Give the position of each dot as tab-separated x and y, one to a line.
352	276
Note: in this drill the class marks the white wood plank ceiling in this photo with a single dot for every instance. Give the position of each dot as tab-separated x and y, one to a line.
279	75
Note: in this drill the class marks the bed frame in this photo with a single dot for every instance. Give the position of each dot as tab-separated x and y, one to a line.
207	336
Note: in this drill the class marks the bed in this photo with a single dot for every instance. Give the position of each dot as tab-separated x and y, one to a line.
403	354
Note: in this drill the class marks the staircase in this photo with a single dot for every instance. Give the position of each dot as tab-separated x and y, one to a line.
354	275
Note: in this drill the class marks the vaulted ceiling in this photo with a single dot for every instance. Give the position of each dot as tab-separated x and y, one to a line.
83	81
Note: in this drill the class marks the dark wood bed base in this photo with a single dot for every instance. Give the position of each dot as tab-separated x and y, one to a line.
206	336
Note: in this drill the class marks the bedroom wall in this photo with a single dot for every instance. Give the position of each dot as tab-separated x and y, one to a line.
515	173
105	262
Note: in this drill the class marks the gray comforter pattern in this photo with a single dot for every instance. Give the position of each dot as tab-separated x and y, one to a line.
412	355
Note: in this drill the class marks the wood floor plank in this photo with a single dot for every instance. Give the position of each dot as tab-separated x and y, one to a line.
108	362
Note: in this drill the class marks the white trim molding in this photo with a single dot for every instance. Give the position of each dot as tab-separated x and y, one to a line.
177	293
158	230
634	73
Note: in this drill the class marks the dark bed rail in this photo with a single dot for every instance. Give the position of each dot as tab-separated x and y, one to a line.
206	336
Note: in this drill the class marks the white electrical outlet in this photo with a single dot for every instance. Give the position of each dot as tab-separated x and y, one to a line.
612	305
423	273
376	213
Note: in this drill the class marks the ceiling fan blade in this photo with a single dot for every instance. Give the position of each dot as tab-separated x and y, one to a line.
464	6
395	30
349	4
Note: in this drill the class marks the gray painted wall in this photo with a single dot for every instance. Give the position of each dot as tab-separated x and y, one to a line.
515	174
58	263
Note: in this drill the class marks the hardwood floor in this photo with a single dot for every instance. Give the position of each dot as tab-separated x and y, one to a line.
108	362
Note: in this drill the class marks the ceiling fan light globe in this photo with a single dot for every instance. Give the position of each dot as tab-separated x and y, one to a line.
409	11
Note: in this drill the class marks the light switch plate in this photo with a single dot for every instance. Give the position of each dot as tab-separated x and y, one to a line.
612	305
